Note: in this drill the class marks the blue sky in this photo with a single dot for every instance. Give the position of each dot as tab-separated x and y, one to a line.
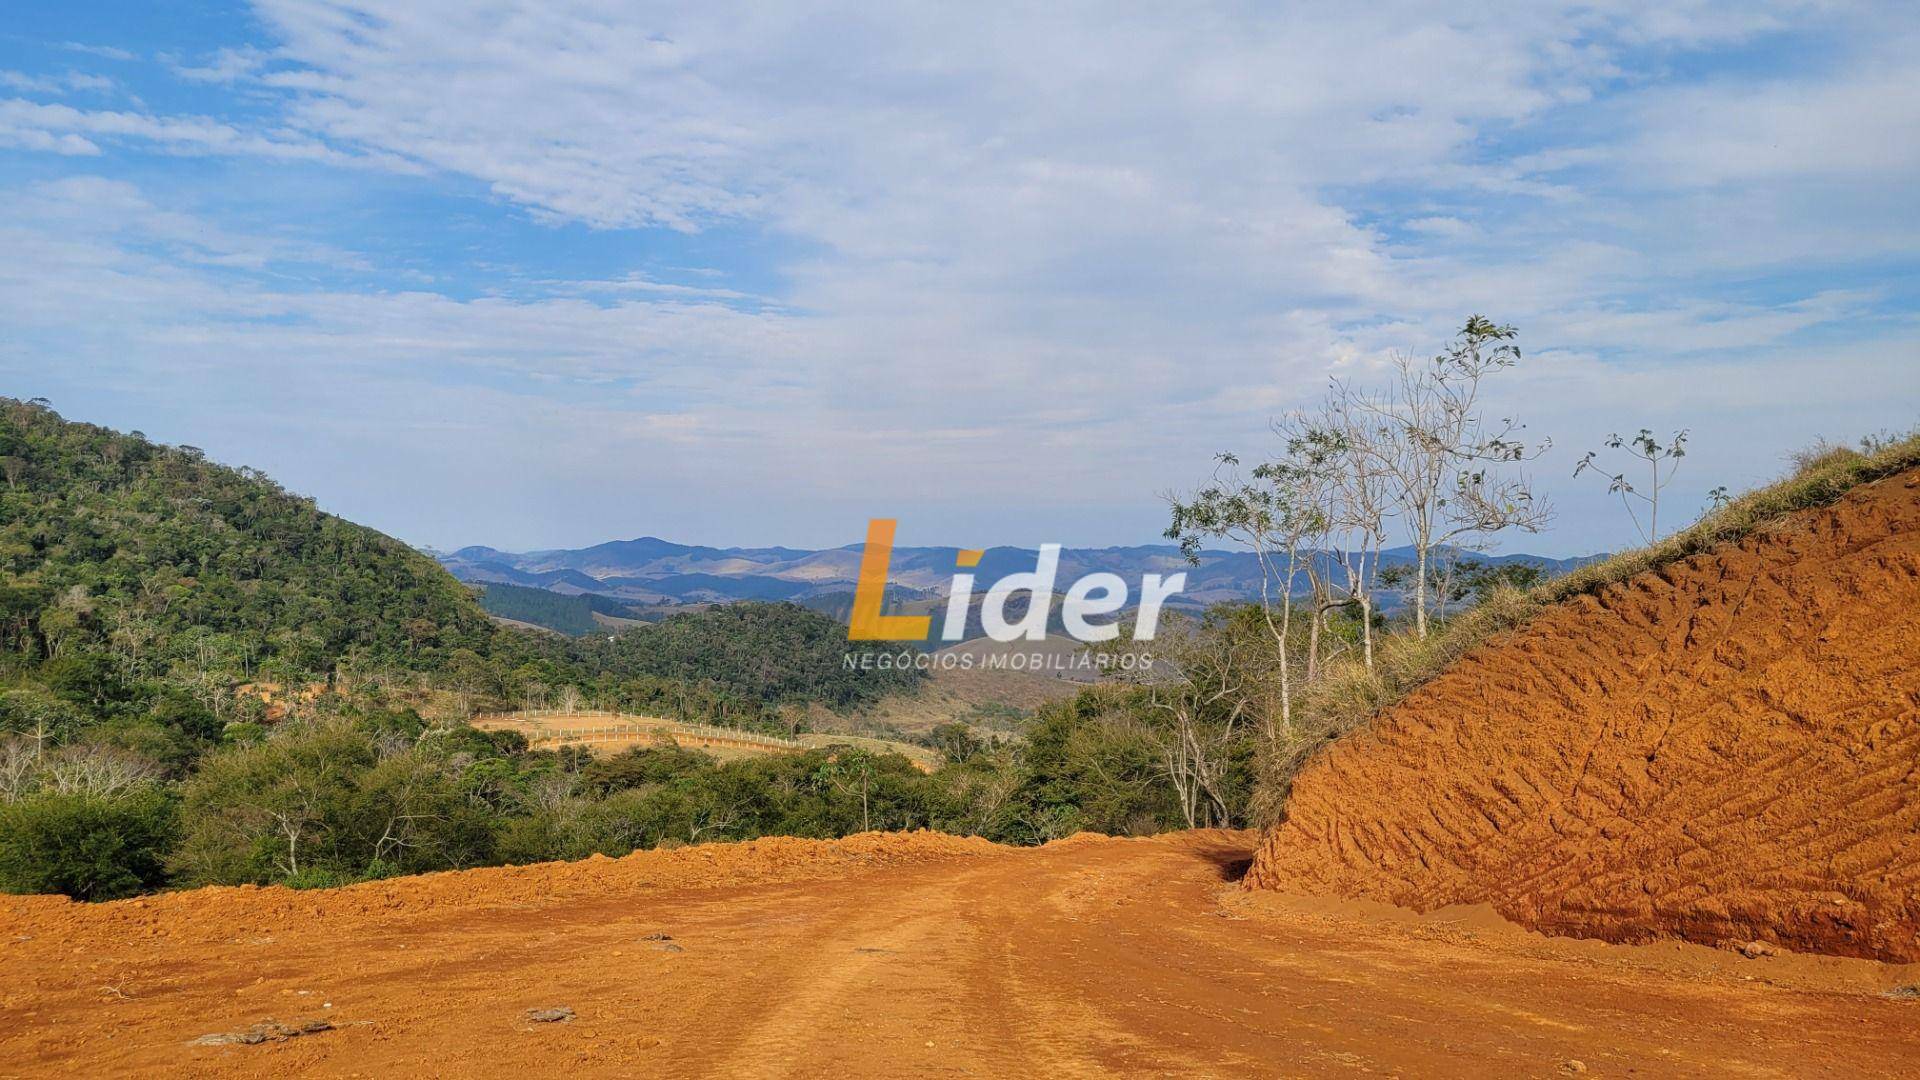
547	274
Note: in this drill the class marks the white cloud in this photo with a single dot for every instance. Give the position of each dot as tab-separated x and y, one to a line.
1069	249
224	66
107	52
56	125
1863	124
66	82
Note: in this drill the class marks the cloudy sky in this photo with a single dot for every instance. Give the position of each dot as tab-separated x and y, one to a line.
544	274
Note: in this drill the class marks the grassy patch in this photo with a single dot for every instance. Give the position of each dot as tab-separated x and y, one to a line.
1822	475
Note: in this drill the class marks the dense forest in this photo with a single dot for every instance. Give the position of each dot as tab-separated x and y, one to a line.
559	612
772	653
114	546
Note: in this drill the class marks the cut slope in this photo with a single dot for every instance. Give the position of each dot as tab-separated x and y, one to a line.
1722	750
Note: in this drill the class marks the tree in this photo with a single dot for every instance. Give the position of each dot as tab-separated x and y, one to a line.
850	772
1275	515
1653	455
1475	579
1454	478
1198	690
956	742
1332	444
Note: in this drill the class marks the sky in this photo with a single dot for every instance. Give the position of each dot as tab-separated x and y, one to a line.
546	274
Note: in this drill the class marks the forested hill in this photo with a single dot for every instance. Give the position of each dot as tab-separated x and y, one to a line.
131	571
561	612
766	653
154	559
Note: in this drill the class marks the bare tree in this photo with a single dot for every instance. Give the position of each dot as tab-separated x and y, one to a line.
551	789
93	769
19	765
1331	444
407	782
1453	477
1654	456
1199	684
717	818
1270	514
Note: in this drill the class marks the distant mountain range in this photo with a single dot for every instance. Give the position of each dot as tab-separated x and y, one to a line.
654	575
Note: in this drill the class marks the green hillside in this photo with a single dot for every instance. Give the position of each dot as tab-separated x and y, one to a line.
157	563
541	607
767	653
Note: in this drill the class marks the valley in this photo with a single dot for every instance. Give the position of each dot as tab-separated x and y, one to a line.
588	589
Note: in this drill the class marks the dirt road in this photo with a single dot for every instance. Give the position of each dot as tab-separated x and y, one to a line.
1088	957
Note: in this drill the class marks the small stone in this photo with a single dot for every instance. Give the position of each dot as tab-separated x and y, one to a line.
1573	1066
1754	950
559	1015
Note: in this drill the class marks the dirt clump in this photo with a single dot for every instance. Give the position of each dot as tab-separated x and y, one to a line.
1725	750
263	1032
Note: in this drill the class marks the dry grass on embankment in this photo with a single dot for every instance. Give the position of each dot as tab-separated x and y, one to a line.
1349	695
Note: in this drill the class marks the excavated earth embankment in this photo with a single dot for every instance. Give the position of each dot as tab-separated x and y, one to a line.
1725	750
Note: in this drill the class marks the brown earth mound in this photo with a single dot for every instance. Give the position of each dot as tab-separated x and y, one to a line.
1726	750
220	911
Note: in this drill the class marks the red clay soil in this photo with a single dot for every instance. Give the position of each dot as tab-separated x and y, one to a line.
1726	750
888	956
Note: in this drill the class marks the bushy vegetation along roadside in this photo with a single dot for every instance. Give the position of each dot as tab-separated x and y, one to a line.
359	794
160	614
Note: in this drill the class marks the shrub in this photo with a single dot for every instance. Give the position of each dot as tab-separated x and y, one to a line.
88	847
313	877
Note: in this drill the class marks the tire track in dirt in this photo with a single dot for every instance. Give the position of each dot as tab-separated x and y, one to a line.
1723	750
1091	957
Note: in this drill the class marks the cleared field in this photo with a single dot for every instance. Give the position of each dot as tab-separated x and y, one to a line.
922	757
612	733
